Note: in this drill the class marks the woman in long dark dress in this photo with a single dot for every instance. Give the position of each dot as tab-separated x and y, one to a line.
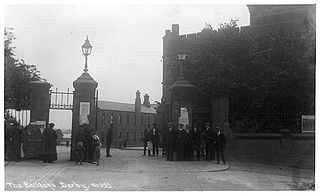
50	150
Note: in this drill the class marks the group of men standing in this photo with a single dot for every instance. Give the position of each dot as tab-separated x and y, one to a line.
151	136
185	142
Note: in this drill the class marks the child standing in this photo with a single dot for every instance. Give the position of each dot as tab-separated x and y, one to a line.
80	153
97	147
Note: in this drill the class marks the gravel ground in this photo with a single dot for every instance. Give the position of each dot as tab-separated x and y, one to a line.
129	170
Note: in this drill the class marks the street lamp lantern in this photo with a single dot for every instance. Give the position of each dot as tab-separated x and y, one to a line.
86	47
181	57
86	50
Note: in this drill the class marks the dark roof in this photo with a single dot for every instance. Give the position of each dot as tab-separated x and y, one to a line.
117	106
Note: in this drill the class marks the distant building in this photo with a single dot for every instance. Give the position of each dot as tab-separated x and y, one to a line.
129	120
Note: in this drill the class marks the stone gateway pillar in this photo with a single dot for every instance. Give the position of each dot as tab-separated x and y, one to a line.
84	108
39	101
39	117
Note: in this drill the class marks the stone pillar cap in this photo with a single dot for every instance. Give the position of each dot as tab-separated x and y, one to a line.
85	78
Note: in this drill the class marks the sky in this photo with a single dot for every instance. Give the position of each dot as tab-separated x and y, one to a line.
126	39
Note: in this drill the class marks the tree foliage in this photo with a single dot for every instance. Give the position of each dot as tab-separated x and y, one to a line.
272	73
17	75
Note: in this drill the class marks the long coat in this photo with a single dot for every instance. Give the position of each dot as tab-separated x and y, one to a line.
171	137
196	138
181	143
155	136
220	141
50	150
147	135
109	137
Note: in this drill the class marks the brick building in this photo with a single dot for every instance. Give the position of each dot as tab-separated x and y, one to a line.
215	108
129	120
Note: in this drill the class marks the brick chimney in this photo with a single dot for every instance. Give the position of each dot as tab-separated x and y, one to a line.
175	29
137	103
146	101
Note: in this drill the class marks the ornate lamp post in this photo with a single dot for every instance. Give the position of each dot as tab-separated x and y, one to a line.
86	50
84	100
181	93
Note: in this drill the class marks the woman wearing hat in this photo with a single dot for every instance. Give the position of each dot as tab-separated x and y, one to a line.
50	150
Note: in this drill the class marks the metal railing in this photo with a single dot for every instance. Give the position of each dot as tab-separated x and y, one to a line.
61	100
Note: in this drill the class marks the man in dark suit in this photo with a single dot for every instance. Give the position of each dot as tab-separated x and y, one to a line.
146	138
181	140
220	145
109	139
209	138
171	141
155	139
188	151
196	139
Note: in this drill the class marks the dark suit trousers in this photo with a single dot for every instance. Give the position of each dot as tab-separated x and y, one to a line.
197	149
209	151
180	152
155	148
108	149
170	151
220	153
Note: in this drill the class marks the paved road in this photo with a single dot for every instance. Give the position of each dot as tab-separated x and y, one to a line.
129	170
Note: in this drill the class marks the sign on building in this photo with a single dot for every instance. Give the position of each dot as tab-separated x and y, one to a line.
84	112
308	123
184	117
42	125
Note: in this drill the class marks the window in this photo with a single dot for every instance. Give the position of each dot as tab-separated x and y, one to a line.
154	119
128	119
141	119
111	118
134	136
135	119
148	119
120	134
102	138
141	138
103	118
127	136
119	118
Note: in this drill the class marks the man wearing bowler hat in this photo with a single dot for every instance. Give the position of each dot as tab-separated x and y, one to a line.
171	141
220	145
209	139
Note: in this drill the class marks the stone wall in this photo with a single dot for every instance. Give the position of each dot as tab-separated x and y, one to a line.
293	150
